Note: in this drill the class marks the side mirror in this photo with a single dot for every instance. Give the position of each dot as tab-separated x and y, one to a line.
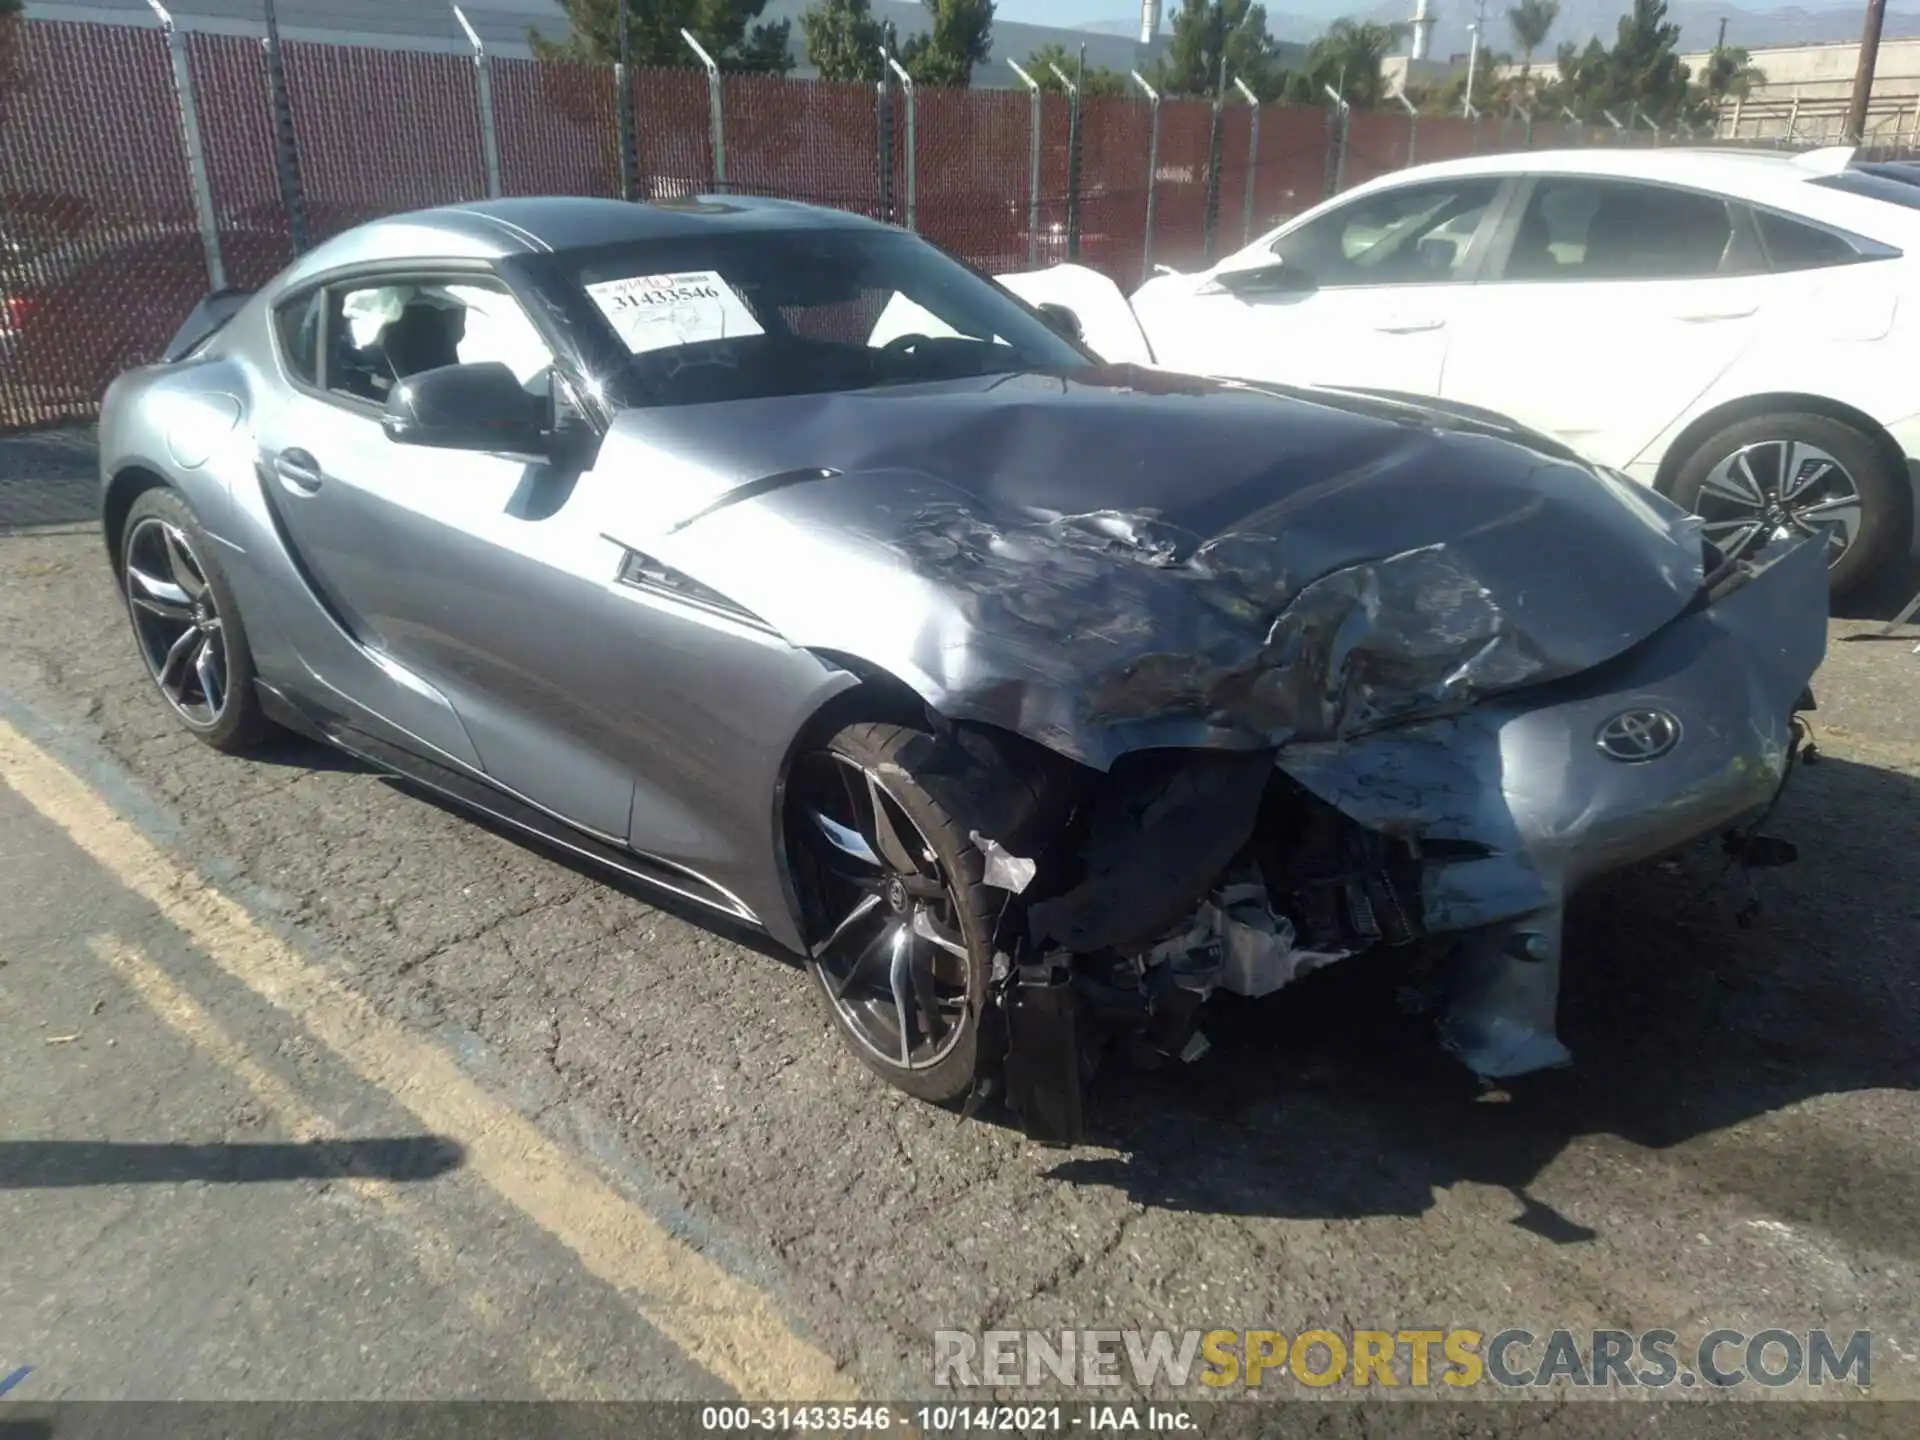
469	407
1061	320
1270	277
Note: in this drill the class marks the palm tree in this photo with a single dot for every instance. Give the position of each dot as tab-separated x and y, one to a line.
1531	21
1731	73
1347	58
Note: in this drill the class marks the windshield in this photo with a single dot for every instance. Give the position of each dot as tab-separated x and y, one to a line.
692	320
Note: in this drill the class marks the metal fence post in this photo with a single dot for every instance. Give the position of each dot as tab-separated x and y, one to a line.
286	158
1253	156
883	138
718	116
195	150
1216	135
1033	164
483	90
906	87
1073	159
1153	170
1413	120
1342	113
623	104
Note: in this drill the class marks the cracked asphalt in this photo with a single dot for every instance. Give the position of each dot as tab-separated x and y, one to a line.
1736	1145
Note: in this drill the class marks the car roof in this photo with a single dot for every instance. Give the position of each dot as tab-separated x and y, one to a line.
1772	179
496	229
1728	169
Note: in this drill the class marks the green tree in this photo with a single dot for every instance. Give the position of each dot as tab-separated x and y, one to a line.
844	40
1731	74
1346	60
1201	32
1531	21
730	30
1493	91
1098	80
961	38
1643	68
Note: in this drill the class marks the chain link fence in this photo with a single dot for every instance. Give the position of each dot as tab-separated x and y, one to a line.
116	216
100	248
557	127
381	130
236	129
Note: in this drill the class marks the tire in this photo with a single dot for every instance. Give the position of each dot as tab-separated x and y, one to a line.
210	623
1768	443
878	751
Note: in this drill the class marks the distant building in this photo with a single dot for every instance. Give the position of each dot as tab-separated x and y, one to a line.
1808	88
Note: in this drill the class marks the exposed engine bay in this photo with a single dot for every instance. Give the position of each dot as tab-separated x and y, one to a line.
1135	894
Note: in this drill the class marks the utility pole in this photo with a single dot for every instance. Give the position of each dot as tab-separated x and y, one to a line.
1863	74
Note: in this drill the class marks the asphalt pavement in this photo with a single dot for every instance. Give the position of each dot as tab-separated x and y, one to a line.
316	1089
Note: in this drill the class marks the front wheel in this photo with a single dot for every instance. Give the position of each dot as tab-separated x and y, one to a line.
1790	474
900	925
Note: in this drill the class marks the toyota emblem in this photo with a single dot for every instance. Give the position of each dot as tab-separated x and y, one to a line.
1635	736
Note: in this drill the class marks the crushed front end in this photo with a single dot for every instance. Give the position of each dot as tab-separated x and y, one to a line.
1179	873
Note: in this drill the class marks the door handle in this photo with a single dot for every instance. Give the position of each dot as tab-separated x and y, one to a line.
298	471
1706	317
1408	324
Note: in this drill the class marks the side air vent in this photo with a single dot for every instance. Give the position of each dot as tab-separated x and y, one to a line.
643	572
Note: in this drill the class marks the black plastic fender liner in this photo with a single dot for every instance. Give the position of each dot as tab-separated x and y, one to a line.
1044	1060
1158	836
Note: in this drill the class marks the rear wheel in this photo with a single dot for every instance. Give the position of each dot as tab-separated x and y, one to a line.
186	623
900	924
1800	474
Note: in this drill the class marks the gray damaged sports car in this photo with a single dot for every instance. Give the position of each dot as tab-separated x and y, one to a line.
769	557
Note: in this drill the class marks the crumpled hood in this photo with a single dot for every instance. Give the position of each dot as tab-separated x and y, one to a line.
1126	558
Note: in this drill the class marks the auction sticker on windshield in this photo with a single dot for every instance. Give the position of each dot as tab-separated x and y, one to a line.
653	312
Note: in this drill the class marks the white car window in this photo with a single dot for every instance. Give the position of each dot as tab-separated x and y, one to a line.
1579	228
1409	235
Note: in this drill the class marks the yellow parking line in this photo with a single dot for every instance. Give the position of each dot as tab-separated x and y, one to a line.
430	1247
723	1324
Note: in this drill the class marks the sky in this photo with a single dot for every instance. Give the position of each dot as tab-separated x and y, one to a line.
1068	12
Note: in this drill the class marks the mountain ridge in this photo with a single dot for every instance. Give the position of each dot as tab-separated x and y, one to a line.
1699	22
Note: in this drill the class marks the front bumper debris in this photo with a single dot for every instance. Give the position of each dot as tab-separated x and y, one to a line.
1472	829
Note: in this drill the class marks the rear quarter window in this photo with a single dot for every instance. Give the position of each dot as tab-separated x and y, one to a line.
296	326
1794	246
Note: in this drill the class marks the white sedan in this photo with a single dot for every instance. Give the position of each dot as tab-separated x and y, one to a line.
1739	329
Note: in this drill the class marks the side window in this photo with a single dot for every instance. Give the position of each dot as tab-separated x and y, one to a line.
1412	235
1793	246
1578	229
297	324
378	335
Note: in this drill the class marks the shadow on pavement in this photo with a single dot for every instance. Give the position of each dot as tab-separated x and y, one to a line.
64	1164
1330	1101
48	477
